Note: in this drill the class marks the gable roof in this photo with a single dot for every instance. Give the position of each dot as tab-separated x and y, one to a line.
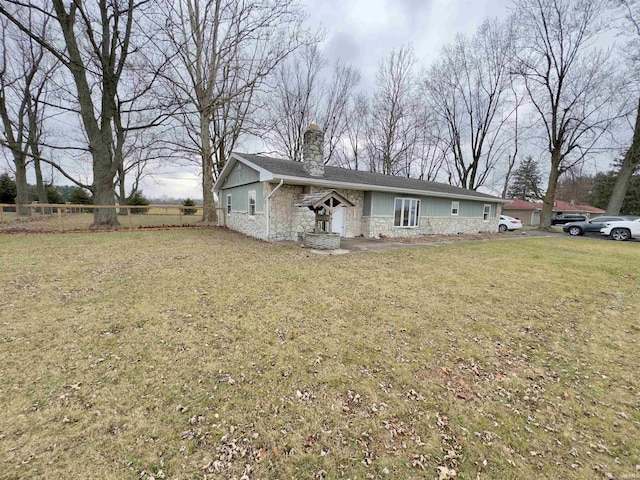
517	204
562	206
319	199
274	169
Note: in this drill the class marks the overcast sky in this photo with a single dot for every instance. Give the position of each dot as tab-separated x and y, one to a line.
362	33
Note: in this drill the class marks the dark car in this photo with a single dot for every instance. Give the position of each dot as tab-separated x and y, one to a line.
592	226
562	219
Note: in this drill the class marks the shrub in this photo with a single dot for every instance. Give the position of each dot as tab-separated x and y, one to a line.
79	196
137	198
8	190
189	203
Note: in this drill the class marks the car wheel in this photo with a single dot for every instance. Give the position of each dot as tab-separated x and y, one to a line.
575	231
502	228
620	234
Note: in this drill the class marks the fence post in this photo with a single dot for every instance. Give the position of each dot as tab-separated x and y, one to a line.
129	217
180	210
60	217
1	212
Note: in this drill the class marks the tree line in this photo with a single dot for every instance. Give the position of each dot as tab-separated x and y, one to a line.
106	93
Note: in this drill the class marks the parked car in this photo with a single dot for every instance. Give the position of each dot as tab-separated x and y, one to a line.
509	223
562	219
594	225
622	230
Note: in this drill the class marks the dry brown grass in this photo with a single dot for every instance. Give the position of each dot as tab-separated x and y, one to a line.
81	221
204	354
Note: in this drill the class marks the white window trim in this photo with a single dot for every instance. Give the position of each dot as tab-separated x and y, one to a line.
249	203
455	205
417	220
484	212
228	203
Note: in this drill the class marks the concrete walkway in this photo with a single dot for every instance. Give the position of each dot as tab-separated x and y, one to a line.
360	244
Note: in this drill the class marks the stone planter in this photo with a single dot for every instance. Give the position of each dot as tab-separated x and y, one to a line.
322	241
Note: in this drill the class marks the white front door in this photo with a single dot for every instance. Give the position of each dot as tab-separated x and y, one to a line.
338	220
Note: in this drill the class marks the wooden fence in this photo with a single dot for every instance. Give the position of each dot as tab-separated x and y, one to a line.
67	217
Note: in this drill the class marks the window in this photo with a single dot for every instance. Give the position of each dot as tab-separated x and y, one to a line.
229	203
487	213
406	212
252	202
455	208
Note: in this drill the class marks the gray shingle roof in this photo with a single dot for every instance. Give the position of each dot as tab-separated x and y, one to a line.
279	167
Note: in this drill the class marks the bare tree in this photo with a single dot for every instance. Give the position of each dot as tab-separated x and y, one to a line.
394	113
569	81
295	101
631	23
467	88
351	150
96	45
21	84
225	51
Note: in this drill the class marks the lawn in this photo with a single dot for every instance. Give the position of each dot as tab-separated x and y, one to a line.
76	220
195	354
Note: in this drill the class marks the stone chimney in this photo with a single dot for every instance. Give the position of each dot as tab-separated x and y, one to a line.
313	151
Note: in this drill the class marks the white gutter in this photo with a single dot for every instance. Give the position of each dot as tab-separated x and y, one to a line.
268	205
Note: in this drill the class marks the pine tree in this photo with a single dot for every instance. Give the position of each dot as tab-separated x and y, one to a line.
526	181
8	190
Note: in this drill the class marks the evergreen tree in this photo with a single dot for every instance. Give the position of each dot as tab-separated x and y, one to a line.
189	203
526	181
79	196
53	195
137	198
603	186
8	190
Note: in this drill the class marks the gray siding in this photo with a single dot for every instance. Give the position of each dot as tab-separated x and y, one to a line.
240	197
241	175
382	204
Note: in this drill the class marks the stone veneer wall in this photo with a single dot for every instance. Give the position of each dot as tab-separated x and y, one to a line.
282	211
313	151
375	226
252	225
288	222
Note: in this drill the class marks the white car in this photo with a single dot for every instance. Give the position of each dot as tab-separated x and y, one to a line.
509	223
623	230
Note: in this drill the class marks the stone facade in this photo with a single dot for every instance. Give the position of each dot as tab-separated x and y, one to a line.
322	241
376	226
313	151
252	225
288	222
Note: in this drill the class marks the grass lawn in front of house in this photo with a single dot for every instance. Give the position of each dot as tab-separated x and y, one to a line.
205	354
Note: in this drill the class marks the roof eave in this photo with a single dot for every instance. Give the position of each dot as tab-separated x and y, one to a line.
380	188
265	175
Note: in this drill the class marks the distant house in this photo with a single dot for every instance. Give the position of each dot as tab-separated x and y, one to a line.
275	199
529	212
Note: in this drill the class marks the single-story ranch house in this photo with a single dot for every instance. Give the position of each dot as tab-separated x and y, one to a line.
274	199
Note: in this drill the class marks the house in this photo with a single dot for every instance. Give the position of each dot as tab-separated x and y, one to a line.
529	212
275	199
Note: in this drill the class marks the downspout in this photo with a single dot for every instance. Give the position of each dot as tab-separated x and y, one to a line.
269	205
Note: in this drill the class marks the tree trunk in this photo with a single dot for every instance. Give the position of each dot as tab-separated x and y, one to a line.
549	198
103	192
629	164
22	189
122	191
208	201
